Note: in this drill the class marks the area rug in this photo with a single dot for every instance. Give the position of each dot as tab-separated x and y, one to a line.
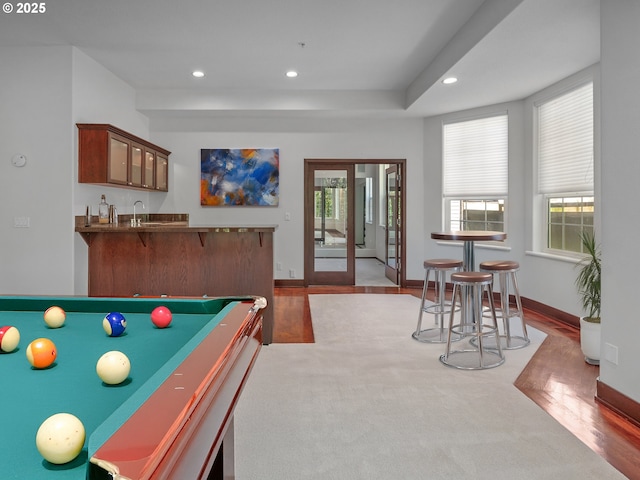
367	401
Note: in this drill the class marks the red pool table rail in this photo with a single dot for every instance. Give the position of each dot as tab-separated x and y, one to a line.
179	429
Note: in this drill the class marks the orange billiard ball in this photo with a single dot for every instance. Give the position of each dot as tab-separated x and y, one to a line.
41	353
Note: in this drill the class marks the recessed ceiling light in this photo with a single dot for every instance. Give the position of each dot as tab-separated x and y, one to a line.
198	74
449	80
292	74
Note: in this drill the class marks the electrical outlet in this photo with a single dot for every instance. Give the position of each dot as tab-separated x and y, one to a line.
279	266
292	273
611	353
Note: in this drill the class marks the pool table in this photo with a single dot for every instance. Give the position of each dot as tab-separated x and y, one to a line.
172	418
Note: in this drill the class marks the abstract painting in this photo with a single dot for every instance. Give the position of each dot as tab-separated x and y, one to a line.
247	176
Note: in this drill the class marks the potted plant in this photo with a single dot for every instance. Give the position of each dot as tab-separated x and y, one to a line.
588	284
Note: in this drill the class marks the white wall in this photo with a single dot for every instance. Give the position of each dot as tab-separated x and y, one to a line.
35	113
297	139
98	96
620	127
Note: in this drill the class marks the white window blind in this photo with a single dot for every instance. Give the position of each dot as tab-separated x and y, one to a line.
476	157
565	142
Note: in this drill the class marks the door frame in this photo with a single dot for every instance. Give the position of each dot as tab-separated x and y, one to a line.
309	251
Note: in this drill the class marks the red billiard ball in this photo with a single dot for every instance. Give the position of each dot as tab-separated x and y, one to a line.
54	317
9	338
41	353
114	324
161	316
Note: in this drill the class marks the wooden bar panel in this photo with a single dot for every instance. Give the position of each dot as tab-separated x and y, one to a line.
183	262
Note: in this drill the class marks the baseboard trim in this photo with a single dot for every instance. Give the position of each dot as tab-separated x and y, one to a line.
619	403
559	315
288	283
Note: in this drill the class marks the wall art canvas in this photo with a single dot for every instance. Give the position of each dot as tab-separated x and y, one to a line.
231	177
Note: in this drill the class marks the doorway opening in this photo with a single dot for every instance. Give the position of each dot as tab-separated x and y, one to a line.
353	222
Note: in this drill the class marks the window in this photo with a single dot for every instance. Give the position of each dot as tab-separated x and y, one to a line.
565	167
475	167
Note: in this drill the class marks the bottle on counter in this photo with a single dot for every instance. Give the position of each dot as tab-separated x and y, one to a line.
103	210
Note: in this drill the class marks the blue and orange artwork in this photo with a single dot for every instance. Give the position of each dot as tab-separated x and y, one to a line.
247	176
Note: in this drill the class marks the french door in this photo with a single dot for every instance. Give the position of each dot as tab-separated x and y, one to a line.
329	212
393	225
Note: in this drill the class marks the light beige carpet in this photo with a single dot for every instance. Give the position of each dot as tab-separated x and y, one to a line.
367	401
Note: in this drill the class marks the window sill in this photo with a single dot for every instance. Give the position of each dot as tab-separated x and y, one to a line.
551	256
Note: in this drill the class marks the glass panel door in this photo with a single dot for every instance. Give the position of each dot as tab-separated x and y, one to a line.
331	207
393	225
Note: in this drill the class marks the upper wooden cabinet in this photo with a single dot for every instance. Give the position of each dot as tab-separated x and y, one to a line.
110	156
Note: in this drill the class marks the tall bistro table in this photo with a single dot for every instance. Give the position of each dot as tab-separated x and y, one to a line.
469	237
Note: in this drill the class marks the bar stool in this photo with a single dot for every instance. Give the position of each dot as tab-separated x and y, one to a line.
506	272
469	288
441	306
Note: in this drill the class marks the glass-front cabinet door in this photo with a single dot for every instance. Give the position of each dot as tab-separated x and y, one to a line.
149	169
162	172
137	153
118	160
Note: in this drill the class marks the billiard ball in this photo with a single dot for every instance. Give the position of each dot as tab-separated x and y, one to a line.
60	438
161	316
113	367
54	317
114	324
41	353
9	338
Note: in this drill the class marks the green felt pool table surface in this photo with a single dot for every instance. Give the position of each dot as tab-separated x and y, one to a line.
71	384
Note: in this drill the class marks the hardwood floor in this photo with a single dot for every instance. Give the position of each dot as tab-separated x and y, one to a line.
557	378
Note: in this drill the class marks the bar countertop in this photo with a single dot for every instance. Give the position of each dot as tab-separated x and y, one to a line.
171	223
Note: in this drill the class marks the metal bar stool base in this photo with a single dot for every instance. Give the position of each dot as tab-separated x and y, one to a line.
468	359
506	270
506	343
441	307
435	335
468	289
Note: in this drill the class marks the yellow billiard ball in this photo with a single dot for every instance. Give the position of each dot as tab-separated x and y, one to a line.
41	353
60	438
9	338
54	317
113	367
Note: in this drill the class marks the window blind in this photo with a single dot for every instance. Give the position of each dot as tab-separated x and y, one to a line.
476	157
565	142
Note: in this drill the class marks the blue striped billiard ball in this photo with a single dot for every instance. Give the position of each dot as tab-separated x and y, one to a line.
114	324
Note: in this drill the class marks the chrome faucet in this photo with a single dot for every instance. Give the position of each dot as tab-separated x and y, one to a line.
136	222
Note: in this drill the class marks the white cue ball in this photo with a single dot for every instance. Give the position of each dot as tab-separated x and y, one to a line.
54	317
113	367
60	438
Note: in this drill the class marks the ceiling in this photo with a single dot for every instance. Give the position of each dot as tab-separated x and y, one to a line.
354	57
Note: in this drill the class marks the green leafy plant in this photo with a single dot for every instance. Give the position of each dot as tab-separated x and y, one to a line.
588	280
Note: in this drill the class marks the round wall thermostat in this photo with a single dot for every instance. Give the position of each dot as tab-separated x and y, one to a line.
19	160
